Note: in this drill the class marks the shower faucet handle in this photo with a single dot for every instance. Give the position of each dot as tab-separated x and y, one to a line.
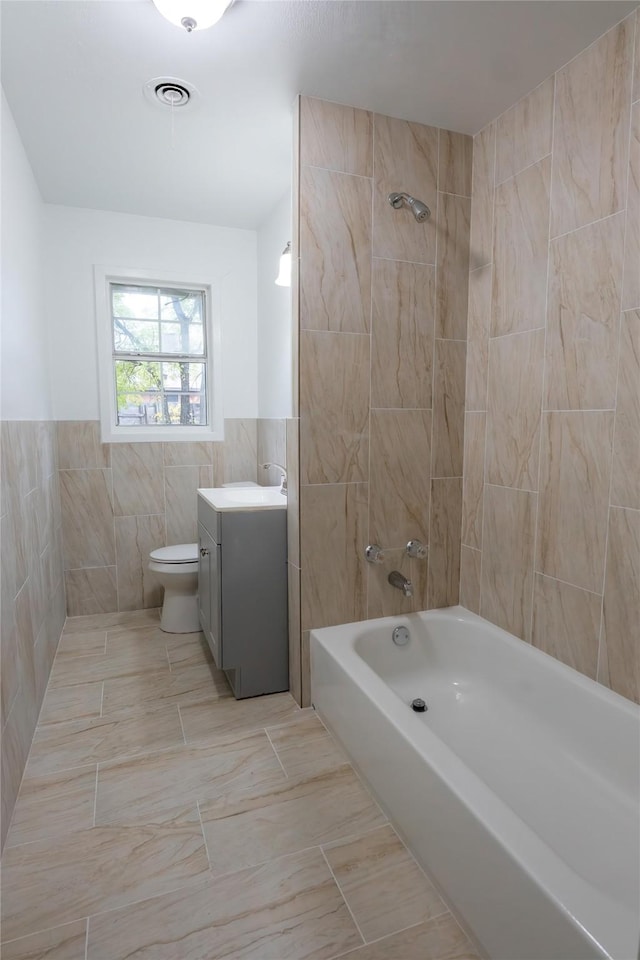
374	553
416	549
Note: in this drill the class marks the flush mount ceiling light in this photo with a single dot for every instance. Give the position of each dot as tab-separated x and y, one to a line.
192	14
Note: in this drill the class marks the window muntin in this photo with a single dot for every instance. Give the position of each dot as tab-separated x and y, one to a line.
159	355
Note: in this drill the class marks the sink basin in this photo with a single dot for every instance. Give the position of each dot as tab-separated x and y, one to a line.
244	498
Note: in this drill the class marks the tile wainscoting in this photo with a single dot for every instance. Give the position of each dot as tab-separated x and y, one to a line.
551	511
121	500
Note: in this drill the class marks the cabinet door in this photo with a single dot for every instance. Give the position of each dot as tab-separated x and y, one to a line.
209	591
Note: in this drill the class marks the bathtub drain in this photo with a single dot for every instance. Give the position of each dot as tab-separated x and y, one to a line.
419	705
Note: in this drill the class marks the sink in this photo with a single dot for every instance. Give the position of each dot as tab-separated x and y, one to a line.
244	498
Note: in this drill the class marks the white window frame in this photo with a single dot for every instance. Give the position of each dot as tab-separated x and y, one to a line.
111	431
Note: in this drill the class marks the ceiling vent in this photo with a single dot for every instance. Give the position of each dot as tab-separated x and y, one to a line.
170	92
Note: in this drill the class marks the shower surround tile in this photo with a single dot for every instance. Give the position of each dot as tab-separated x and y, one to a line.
335	251
473	485
336	137
448	408
524	132
482	194
452	283
625	490
631	294
444	542
591	131
622	602
585	287
402	334
383	602
566	623
455	155
470	572
479	326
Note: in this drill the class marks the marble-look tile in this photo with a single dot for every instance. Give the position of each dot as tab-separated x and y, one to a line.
520	251
444	542
574	490
211	720
79	702
336	137
455	156
622	602
147	785
334	407
306	747
479	325
188	650
470	571
585	285
240	451
405	159
77	742
402	334
482	194
385	888
524	132
135	694
53	804
473	484
385	601
82	644
114	623
92	590
335	250
135	538
293	491
438	939
333	531
16	740
79	446
508	559
295	639
449	368
591	132
272	448
248	826
64	878
124	657
399	489
452	271
566	623
87	518
625	491
631	290
635	94
290	907
66	942
516	366
181	498
188	453
138	485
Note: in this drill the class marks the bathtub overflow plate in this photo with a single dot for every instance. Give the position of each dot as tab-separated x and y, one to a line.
400	636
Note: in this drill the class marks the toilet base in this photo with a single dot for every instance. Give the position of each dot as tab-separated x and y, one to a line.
179	612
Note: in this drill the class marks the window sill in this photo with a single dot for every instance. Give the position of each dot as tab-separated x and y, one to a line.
153	435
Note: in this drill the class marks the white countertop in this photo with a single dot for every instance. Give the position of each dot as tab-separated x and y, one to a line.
244	498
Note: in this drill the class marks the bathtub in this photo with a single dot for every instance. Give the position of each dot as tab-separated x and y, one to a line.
518	788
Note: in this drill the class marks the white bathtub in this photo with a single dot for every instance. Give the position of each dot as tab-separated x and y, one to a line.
518	789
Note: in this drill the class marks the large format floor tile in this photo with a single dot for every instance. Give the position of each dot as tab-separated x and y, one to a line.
132	695
439	939
65	878
66	942
210	719
54	803
79	702
306	747
289	908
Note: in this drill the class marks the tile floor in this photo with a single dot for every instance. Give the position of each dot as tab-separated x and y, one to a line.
160	819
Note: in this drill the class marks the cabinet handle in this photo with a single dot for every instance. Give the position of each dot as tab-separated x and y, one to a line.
204	552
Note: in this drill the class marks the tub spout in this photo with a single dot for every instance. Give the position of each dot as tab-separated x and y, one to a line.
400	582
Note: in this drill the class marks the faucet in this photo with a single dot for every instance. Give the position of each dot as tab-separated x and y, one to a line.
283	478
400	582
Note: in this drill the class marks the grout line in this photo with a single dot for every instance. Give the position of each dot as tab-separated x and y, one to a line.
517	333
567	583
342	894
598	410
56	926
95	796
181	724
584	226
86	941
276	752
534	163
344	173
355	950
415	263
101	700
368	577
204	836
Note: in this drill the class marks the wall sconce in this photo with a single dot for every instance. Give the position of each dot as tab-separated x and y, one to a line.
284	273
192	14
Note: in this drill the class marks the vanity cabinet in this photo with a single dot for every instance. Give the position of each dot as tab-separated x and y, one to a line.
242	588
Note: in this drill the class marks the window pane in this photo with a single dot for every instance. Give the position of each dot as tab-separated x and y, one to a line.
141	303
181	306
166	393
136	336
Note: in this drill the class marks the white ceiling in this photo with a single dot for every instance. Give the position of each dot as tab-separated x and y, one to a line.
73	72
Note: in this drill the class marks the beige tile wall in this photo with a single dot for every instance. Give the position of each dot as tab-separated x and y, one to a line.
122	500
32	608
382	310
551	502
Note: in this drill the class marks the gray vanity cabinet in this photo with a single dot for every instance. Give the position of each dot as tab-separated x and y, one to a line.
242	586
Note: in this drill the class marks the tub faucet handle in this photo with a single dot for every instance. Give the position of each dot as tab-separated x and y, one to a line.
374	553
416	549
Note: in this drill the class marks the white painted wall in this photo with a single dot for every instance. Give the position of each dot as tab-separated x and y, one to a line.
274	316
24	393
76	239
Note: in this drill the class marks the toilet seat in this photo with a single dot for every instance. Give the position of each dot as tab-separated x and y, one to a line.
176	554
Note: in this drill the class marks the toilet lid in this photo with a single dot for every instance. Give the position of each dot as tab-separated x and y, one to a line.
178	553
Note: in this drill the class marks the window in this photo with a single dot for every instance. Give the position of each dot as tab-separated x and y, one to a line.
155	359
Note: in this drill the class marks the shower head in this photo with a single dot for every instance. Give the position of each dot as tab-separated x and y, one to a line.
419	209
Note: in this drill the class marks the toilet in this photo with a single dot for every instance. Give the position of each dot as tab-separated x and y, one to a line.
176	569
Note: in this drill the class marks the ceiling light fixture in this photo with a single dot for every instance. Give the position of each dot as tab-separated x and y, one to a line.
192	14
284	273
